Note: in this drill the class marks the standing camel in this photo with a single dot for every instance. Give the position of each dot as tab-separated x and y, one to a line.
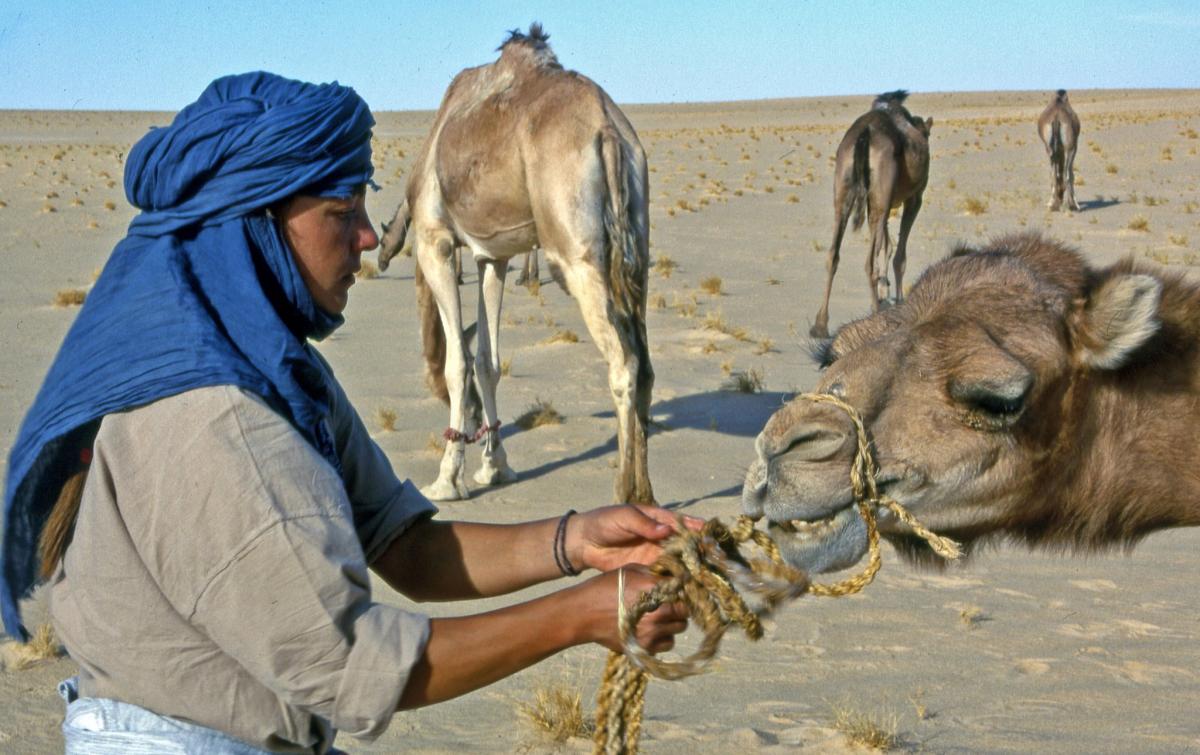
1017	393
1058	126
882	163
522	155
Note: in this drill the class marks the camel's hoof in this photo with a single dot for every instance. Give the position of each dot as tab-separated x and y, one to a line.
490	475
441	490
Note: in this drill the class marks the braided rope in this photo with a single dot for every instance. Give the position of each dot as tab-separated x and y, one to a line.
707	572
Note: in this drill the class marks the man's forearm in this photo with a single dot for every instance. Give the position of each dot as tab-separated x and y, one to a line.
459	560
469	652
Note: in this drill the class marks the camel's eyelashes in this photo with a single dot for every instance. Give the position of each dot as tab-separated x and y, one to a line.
821	351
993	404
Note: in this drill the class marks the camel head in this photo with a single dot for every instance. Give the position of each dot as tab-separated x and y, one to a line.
532	47
395	237
972	392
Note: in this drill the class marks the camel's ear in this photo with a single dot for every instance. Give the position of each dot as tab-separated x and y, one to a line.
1119	316
928	125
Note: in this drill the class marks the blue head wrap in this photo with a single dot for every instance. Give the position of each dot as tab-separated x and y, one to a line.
202	291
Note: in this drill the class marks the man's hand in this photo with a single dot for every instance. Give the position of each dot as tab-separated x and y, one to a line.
611	537
655	631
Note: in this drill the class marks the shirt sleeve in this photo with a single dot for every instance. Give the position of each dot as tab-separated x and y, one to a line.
384	506
273	572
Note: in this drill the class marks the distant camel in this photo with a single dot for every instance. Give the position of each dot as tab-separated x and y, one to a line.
522	155
1016	394
1058	126
882	163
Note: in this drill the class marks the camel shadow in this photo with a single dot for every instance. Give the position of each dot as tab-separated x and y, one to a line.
1099	203
726	412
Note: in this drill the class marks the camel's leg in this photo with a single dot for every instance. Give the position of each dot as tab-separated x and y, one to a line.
911	207
883	180
841	216
495	467
458	253
436	258
1070	159
614	336
529	272
1056	185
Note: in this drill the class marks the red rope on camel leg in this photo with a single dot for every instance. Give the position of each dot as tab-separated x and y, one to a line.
485	429
454	436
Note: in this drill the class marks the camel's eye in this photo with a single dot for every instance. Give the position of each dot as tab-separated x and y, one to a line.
993	404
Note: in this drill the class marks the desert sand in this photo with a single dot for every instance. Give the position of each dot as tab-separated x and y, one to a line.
1012	652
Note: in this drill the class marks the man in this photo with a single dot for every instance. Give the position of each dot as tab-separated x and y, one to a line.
208	551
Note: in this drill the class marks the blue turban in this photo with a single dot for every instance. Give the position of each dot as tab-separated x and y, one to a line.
202	291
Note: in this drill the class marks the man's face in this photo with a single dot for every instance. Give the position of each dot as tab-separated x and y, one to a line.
327	237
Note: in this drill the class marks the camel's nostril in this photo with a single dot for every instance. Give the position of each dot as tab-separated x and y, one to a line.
815	444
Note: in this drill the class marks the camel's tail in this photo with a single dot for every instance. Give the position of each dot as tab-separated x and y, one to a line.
433	347
627	258
860	178
395	236
1055	145
628	254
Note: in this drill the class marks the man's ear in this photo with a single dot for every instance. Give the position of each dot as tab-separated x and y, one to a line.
1117	318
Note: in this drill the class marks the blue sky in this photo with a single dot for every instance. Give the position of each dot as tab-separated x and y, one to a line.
401	55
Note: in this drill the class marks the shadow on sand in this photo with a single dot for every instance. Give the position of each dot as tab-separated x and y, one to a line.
726	412
1099	203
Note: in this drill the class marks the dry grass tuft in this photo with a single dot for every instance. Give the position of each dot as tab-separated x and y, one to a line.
664	265
21	655
558	713
658	301
974	206
70	297
541	413
505	367
711	285
971	616
1178	240
1111	169
110	205
764	346
749	381
368	270
563	336
866	730
1139	223
687	307
386	417
435	444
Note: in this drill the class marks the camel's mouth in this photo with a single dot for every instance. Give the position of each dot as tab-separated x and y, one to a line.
830	543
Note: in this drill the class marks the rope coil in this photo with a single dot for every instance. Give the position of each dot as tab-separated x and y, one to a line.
708	573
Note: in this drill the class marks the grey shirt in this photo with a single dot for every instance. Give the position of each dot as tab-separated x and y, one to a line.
218	572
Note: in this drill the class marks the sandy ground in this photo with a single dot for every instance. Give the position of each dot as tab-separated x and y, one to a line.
1011	652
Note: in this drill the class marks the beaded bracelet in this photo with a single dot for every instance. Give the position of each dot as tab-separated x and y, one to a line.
560	546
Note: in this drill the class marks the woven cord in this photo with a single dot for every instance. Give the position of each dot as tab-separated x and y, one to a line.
707	572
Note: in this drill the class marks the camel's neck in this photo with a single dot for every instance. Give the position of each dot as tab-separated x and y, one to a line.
1127	465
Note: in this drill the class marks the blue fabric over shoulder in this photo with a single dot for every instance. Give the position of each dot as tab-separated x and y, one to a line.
202	291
